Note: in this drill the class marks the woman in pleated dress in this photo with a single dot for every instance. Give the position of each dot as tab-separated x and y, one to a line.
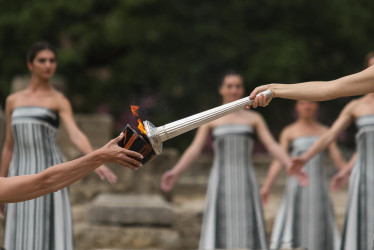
358	228
306	217
233	216
33	118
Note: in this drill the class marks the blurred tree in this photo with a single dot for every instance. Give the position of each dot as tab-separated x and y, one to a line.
168	55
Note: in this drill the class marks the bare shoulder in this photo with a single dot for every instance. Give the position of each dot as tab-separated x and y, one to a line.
60	98
12	99
287	132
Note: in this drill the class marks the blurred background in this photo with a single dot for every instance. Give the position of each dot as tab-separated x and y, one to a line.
168	57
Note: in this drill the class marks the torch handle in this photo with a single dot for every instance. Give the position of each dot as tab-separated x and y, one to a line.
184	125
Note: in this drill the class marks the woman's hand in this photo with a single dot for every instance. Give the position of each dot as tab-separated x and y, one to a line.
339	180
168	180
111	152
302	178
264	195
296	165
261	100
105	173
2	209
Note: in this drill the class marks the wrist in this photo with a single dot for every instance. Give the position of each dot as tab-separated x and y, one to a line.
99	157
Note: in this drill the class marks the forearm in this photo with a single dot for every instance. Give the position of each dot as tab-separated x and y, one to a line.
273	173
279	153
82	143
355	84
189	156
20	188
5	161
321	144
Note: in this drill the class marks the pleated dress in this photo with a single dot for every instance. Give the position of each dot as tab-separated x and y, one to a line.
233	216
44	223
358	231
306	218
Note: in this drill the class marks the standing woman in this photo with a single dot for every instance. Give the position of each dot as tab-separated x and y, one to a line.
358	228
33	116
306	216
233	216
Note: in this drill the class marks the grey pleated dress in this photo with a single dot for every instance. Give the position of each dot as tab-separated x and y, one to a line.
358	231
44	223
306	217
233	216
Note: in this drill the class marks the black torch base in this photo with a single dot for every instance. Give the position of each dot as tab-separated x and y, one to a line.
132	140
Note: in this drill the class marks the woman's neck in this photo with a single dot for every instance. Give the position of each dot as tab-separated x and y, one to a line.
38	84
307	121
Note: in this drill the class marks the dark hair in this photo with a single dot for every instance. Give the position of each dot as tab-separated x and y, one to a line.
37	47
368	57
230	72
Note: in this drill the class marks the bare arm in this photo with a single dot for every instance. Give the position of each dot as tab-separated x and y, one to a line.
345	118
355	84
79	139
276	166
9	143
336	156
342	176
189	156
21	188
271	145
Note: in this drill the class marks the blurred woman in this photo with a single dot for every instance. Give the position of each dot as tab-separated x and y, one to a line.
358	228
306	216
33	116
233	216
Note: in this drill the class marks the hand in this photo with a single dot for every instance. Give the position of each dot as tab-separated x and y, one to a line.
296	165
168	180
339	180
264	195
3	209
111	152
302	178
105	173
260	100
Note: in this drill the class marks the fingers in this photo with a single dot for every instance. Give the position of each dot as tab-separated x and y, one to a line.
132	153
257	90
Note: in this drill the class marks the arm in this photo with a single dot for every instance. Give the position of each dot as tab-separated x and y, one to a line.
8	145
271	145
355	84
343	175
345	118
79	139
21	188
275	169
336	156
190	155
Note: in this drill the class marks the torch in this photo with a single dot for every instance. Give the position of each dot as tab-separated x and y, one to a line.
149	144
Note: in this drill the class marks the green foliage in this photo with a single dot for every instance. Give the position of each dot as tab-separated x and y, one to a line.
119	52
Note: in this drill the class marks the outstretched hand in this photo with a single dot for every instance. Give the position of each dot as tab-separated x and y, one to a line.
296	165
168	180
105	173
260	100
302	178
264	193
113	153
339	180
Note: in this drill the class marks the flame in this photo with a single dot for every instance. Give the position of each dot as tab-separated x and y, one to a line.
134	110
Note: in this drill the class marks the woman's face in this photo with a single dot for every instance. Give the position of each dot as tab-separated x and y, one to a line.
44	64
232	88
306	109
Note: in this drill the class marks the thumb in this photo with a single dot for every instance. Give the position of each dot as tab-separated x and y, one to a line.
118	138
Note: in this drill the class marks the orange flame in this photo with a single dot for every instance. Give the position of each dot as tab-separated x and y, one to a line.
134	110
